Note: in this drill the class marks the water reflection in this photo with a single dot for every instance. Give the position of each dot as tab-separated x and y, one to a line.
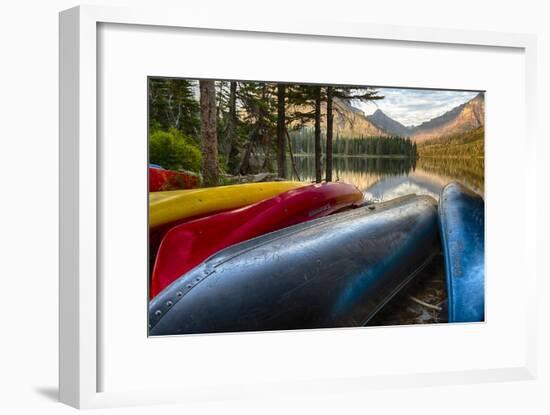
387	178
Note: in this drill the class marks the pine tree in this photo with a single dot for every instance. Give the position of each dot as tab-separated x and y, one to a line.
281	130
318	174
172	104
209	132
230	123
330	128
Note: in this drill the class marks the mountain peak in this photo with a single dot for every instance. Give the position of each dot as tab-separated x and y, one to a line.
479	97
388	124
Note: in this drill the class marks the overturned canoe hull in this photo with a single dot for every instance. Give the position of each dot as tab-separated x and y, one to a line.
161	179
336	271
187	245
176	205
461	221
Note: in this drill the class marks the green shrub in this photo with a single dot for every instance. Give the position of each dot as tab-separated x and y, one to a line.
173	150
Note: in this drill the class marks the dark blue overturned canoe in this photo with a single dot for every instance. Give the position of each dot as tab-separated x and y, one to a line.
336	271
461	220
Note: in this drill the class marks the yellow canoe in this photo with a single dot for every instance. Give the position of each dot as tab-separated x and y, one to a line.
170	206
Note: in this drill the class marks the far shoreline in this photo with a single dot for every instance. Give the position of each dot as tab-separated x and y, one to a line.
392	156
371	156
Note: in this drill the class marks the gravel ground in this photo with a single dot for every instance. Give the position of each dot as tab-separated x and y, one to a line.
406	308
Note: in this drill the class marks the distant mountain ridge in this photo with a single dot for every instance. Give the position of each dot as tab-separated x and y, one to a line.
389	125
462	118
349	122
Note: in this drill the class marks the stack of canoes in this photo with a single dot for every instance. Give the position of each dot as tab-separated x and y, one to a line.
290	255
171	208
188	244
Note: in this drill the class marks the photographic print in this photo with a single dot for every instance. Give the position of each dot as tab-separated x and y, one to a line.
280	206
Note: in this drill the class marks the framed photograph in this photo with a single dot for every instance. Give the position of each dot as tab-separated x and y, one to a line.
317	202
238	211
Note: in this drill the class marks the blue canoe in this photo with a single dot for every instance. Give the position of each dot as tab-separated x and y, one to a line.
461	222
336	271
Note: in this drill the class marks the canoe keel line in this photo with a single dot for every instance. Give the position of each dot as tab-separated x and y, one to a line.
336	271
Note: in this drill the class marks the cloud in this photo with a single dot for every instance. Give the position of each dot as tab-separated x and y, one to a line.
414	106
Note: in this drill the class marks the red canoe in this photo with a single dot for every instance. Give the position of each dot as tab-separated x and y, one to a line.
187	245
162	179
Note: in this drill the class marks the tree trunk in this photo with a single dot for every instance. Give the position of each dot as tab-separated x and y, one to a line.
259	135
231	122
292	156
267	166
208	132
329	135
265	132
281	128
318	173
244	167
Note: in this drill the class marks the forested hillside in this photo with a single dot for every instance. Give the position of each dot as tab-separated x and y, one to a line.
464	145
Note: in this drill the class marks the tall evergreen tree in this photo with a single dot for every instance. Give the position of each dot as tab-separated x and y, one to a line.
329	151
209	132
258	102
281	130
231	123
318	173
172	104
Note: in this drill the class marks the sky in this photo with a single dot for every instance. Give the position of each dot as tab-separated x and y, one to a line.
414	106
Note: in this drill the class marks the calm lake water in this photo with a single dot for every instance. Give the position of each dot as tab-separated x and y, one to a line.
386	178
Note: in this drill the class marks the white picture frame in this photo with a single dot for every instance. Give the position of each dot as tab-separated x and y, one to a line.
80	167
